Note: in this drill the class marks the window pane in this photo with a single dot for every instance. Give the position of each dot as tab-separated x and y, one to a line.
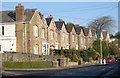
51	35
3	30
36	49
35	31
43	33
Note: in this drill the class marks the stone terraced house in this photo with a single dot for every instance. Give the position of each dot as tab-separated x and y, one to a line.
28	31
44	34
73	44
62	34
52	33
80	37
88	37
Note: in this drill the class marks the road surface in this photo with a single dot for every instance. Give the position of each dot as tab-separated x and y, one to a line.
97	71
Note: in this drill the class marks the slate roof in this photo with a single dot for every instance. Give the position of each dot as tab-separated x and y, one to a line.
48	20
78	29
98	33
93	32
104	34
59	24
85	31
69	27
10	15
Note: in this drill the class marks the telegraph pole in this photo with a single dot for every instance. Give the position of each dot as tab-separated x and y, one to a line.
1	61
101	51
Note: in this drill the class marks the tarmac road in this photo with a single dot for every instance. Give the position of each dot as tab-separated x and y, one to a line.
97	71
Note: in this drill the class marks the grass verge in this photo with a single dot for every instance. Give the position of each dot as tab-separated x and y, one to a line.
28	64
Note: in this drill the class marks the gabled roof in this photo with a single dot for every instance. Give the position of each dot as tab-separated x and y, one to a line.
85	31
98	33
104	34
9	16
41	15
59	24
69	27
78	29
48	20
93	32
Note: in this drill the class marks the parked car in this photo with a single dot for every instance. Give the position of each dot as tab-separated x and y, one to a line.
110	60
118	59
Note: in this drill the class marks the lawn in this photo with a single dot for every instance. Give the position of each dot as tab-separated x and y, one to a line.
29	64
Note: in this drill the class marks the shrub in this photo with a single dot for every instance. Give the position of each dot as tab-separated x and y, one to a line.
92	53
74	58
84	55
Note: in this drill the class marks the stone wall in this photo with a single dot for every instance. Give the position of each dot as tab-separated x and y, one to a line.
72	63
22	57
7	56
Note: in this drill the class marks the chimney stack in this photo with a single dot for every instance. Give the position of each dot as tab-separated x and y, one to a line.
77	25
50	16
19	13
60	19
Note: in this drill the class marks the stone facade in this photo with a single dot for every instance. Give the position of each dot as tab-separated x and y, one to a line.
80	37
64	42
44	35
72	36
52	33
28	35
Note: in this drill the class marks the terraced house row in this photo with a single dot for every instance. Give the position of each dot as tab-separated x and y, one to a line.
28	31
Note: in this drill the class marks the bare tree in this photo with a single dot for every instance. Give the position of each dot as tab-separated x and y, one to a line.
104	23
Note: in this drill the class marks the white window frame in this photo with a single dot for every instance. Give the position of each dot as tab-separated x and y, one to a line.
51	34
73	38
36	49
35	31
45	48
